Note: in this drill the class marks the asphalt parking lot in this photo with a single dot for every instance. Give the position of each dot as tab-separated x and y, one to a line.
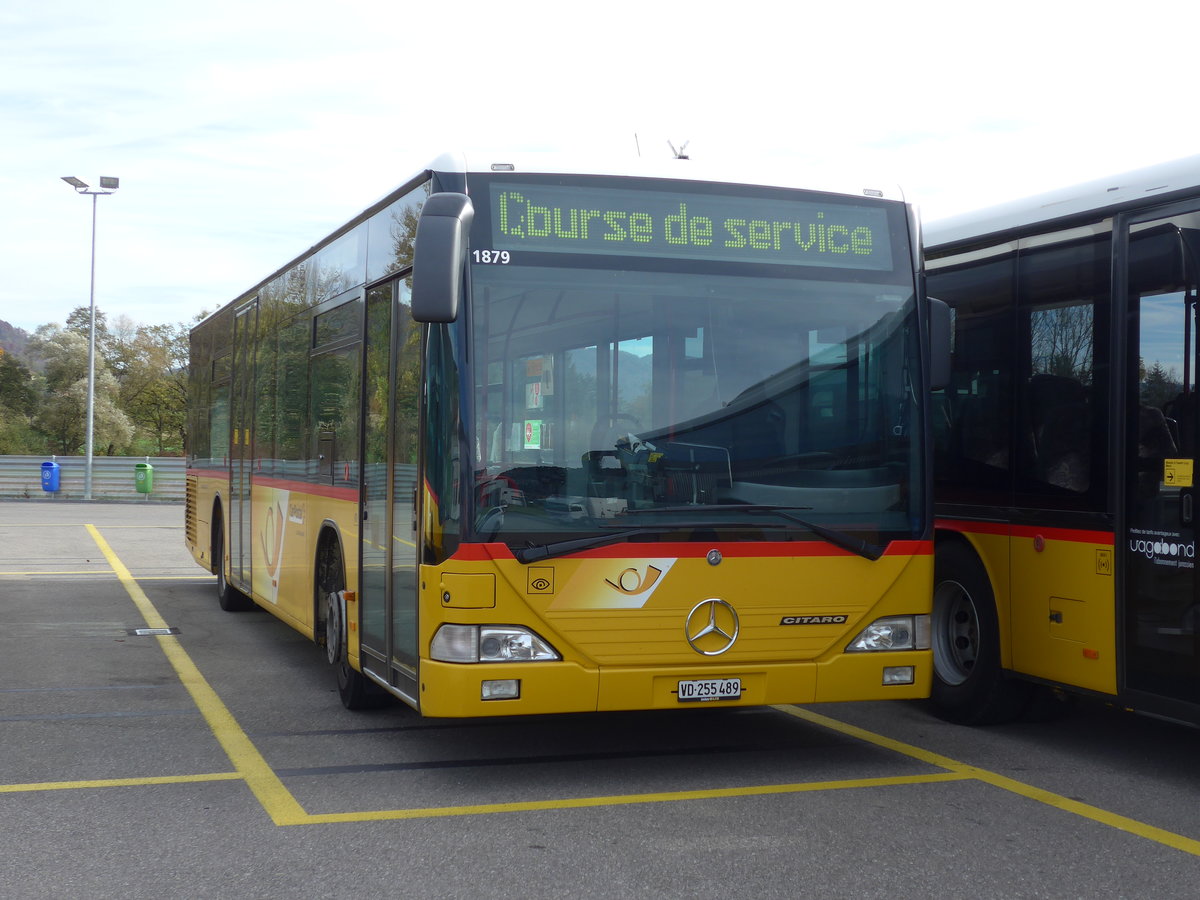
157	746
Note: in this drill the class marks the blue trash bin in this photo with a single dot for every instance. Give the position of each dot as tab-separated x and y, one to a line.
50	476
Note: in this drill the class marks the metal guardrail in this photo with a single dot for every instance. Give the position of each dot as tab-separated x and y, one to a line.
113	478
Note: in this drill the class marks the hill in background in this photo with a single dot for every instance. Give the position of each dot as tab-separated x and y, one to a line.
13	340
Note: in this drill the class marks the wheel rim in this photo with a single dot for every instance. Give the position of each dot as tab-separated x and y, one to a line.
333	628
956	633
219	553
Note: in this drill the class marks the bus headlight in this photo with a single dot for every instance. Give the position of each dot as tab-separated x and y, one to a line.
892	633
489	643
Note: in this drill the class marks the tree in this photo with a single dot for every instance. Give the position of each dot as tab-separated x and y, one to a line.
19	401
17	391
151	364
1062	341
79	322
64	355
1159	385
18	436
140	399
63	415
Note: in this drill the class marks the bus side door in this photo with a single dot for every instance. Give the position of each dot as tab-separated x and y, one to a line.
1158	548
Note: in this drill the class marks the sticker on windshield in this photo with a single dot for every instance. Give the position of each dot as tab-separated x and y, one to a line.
533	434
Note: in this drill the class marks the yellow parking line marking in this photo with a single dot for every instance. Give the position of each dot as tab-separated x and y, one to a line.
626	799
117	782
1075	807
276	799
283	808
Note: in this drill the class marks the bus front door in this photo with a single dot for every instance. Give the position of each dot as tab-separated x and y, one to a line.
387	538
241	456
1161	613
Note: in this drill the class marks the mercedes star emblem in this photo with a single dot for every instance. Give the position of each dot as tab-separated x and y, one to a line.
712	627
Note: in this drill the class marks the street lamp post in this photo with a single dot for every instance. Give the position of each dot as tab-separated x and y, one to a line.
108	184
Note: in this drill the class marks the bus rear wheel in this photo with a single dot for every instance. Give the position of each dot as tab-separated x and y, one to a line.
230	598
969	686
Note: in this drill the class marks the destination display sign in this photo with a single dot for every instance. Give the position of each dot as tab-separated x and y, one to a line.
569	219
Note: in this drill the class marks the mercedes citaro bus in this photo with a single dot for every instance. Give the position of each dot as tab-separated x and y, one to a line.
528	439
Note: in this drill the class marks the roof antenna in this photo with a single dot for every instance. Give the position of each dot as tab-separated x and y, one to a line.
679	154
638	144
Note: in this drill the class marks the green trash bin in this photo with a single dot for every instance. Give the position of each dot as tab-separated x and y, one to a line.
143	478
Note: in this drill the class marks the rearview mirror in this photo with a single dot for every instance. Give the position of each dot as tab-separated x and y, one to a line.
939	344
440	256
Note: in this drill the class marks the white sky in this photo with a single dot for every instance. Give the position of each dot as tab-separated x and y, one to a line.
245	131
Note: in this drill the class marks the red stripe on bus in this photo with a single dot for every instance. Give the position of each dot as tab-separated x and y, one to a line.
495	551
305	487
1004	529
296	487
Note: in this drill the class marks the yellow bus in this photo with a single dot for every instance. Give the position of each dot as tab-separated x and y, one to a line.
1065	446
526	438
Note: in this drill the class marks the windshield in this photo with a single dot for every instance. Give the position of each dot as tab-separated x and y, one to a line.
700	397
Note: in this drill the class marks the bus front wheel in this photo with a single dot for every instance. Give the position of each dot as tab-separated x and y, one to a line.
355	689
969	686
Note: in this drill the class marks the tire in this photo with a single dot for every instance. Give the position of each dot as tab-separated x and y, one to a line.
969	686
230	598
355	689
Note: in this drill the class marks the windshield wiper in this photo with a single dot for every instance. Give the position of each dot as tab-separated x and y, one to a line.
847	542
536	552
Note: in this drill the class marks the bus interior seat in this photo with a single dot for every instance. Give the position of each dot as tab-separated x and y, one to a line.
695	473
983	434
1059	431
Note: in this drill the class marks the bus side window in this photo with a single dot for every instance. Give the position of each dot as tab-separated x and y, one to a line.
334	415
1063	296
975	432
